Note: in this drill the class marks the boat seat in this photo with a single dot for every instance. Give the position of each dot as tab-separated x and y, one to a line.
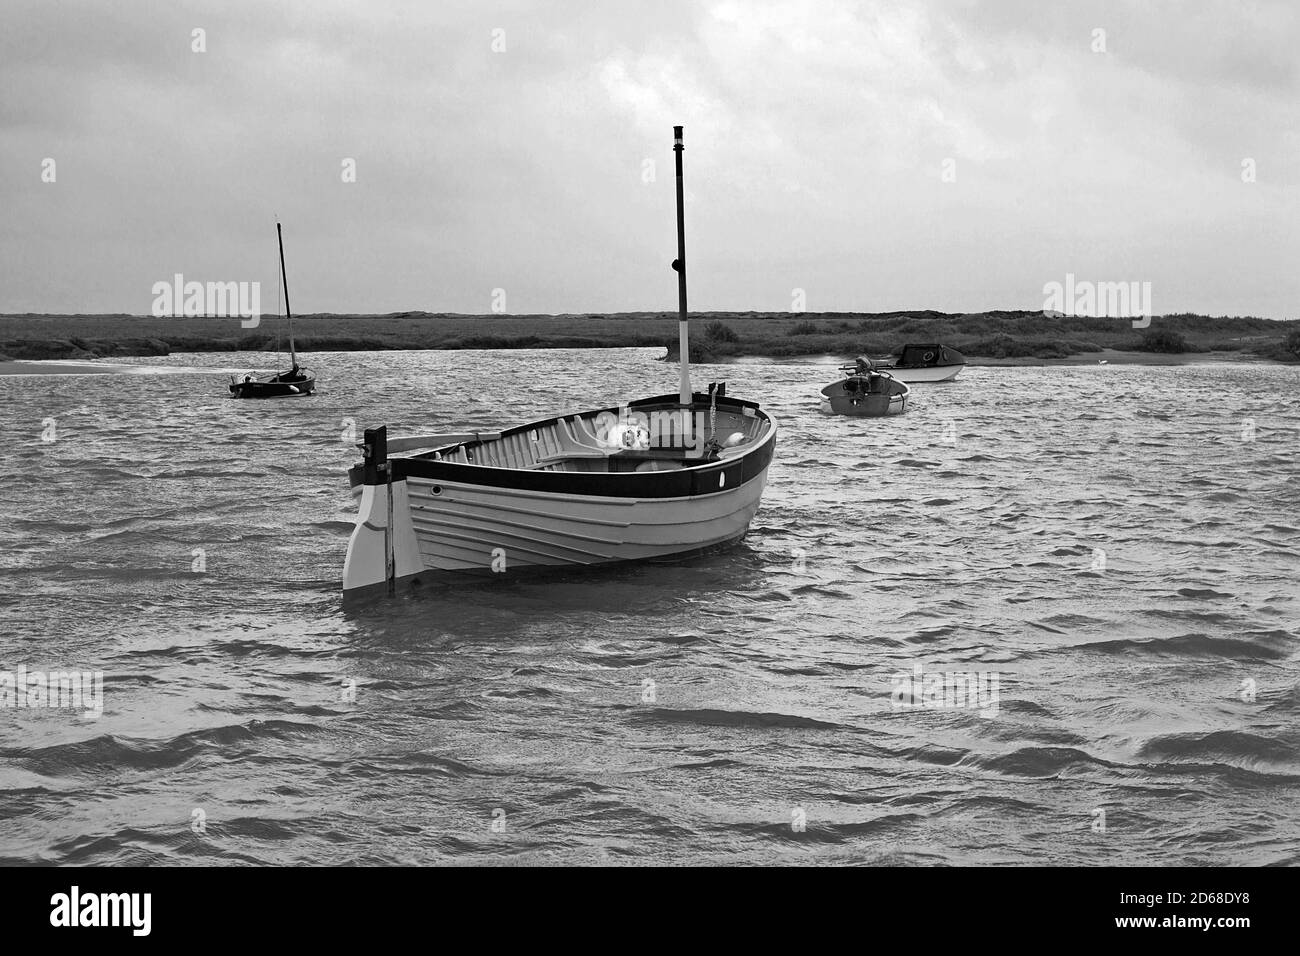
570	446
659	464
734	452
584	433
579	433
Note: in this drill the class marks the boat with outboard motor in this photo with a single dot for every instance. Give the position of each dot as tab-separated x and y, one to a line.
657	477
865	392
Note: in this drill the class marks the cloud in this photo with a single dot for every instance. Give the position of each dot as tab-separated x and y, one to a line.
506	146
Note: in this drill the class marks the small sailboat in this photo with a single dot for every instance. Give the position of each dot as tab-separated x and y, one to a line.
924	363
865	392
294	381
656	477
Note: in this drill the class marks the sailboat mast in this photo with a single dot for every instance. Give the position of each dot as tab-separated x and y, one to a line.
683	324
284	279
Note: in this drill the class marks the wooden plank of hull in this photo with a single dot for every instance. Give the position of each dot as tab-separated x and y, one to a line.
460	528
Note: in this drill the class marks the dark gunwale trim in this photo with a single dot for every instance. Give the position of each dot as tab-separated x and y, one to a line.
705	478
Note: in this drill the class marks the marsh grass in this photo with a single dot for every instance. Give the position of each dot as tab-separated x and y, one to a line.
1001	334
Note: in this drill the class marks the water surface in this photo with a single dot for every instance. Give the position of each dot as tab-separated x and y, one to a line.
1118	546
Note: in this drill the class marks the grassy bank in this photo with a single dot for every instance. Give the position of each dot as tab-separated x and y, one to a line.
715	336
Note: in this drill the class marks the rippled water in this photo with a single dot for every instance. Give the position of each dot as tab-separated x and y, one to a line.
1118	547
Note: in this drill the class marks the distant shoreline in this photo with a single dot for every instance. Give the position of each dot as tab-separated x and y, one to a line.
985	338
1104	357
1109	357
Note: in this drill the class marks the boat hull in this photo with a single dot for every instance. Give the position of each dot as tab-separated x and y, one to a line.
924	362
925	373
468	528
887	396
271	389
281	385
877	406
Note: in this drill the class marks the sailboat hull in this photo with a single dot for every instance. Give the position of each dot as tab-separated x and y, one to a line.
271	389
283	385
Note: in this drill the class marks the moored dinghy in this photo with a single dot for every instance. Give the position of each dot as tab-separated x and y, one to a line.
924	363
653	478
865	393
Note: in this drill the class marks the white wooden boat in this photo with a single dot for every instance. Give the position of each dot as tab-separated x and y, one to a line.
658	477
865	393
924	363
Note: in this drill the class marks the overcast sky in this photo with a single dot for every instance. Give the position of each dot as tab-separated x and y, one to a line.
818	135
